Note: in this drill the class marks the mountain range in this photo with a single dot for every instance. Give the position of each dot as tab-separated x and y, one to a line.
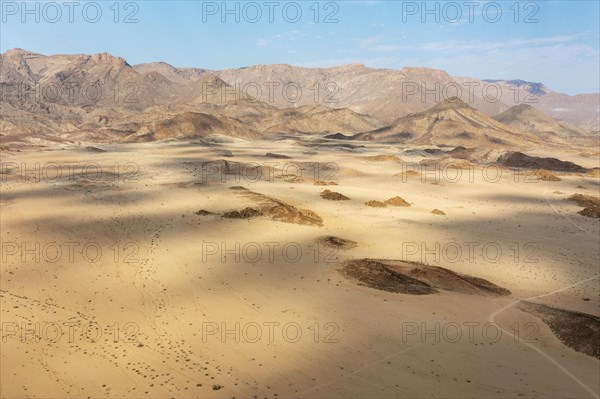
103	98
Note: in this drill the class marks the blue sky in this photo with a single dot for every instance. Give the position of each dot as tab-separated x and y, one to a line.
554	42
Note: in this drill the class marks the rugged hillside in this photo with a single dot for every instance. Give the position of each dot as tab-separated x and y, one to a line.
191	125
320	119
102	97
526	118
389	94
451	122
83	81
384	94
60	94
580	110
176	75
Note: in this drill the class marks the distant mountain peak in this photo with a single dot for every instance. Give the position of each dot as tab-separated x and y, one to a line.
450	103
112	59
437	73
536	88
526	117
210	77
518	111
355	65
18	52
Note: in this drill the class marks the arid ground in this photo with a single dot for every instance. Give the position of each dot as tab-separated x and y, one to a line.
207	268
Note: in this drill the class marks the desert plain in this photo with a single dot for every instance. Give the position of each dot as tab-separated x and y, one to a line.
215	267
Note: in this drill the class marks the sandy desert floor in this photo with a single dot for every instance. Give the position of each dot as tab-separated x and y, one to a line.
113	284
